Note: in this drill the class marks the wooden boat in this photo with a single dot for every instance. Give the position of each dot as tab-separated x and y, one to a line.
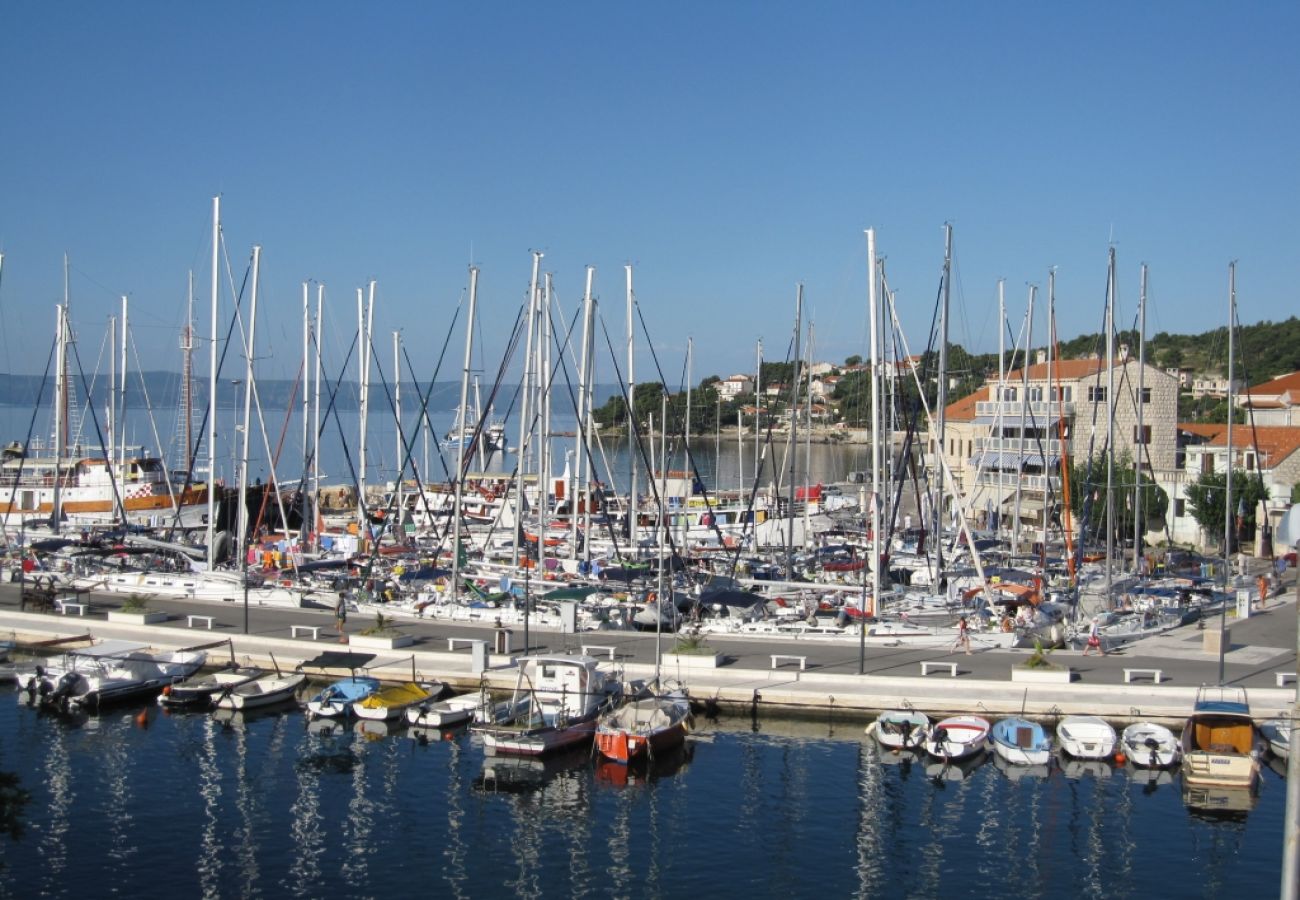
203	689
1278	734
900	729
1150	746
1221	746
267	690
392	702
643	729
1021	742
336	700
957	737
564	696
1086	737
444	713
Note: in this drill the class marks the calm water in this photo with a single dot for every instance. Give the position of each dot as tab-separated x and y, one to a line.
265	807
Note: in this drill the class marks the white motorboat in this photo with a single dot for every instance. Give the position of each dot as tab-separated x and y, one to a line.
1221	746
957	737
443	713
1086	737
1278	734
900	729
1150	746
111	672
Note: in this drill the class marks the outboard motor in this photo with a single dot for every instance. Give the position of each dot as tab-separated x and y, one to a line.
63	690
33	685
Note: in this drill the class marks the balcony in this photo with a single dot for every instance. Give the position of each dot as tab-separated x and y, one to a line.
1032	446
1036	410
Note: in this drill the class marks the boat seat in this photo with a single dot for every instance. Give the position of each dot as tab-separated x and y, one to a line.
1025	738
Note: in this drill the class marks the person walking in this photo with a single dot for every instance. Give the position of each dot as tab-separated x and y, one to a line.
963	636
341	616
1094	639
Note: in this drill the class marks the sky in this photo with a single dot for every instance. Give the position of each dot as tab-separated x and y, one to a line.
727	151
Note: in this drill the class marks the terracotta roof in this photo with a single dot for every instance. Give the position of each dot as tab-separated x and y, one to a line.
1278	385
1064	369
963	410
1203	429
1274	442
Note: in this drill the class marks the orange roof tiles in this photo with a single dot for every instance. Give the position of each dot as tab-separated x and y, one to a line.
1274	442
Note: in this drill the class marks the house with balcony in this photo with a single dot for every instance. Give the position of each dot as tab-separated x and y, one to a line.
732	387
1007	444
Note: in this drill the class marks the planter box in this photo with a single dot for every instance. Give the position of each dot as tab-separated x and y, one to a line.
693	660
148	617
1054	675
380	642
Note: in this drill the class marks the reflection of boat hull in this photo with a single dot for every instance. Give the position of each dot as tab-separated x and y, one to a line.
1218	800
521	774
956	769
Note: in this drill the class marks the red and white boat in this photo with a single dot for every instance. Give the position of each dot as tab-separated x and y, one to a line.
957	737
643	729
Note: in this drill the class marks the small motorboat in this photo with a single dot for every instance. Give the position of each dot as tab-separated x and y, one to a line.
1086	737
266	690
336	700
443	713
392	702
204	689
957	737
900	729
1021	742
1278	734
1150	746
110	672
643	729
1221	746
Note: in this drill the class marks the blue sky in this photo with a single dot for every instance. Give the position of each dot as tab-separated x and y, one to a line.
727	150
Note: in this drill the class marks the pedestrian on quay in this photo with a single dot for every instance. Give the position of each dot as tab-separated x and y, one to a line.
1094	639
963	636
341	616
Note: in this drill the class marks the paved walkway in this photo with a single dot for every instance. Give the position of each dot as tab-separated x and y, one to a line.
1261	647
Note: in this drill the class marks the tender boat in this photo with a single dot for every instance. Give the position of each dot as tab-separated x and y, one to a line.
336	700
203	689
444	713
643	729
1021	742
957	737
900	729
1086	737
267	690
1150	746
1278	734
392	702
564	696
1221	746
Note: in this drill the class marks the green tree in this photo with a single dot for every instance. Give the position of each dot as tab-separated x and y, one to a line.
1088	490
1206	501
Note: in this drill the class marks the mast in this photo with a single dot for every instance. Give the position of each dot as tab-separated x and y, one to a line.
1227	481
631	415
242	487
119	418
1002	381
942	403
524	410
212	382
462	450
1141	442
1047	417
1024	408
365	320
873	315
60	399
758	408
306	526
1110	421
400	511
315	427
793	443
584	383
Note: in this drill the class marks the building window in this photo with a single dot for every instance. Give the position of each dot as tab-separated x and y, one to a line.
1146	395
1250	462
1145	437
1096	394
1207	463
1066	392
1009	394
1180	508
1036	394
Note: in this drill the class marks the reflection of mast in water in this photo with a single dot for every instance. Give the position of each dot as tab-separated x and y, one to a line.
246	803
454	872
211	849
360	819
305	829
992	863
873	808
57	771
620	847
116	761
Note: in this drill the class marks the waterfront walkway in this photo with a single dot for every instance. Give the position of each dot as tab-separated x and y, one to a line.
832	674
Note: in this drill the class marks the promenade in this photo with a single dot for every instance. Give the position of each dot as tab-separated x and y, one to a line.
835	675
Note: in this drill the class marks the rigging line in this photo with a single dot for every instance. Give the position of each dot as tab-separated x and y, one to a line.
272	481
153	426
118	500
31	425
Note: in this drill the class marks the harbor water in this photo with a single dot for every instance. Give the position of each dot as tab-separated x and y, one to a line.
141	804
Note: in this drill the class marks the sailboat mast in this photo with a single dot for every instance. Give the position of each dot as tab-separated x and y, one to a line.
60	400
212	382
119	419
942	403
1002	381
242	487
1047	419
584	383
873	314
525	410
631	415
1140	438
1110	422
1227	480
1024	408
461	450
315	426
793	442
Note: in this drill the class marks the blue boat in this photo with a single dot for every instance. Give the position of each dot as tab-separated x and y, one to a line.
1021	742
337	699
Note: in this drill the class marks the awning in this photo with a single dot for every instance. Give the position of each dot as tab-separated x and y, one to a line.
990	460
1036	459
1026	505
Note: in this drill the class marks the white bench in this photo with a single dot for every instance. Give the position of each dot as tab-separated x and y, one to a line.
452	643
604	648
928	664
782	657
1284	677
67	606
314	630
1157	675
207	620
